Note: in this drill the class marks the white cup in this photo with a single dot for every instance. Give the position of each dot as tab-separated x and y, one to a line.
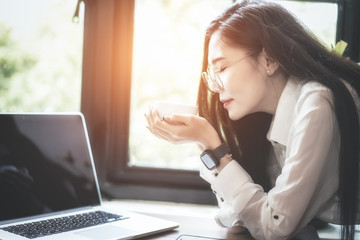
166	108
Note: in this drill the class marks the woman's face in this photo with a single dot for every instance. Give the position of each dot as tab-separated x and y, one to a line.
245	82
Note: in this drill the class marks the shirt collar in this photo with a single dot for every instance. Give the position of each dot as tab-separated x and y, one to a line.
284	115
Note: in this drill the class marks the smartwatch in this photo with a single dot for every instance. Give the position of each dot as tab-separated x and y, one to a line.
211	158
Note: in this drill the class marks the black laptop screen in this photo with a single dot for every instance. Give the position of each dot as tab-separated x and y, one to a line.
45	165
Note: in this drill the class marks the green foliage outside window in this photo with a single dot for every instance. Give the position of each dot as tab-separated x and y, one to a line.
12	60
40	56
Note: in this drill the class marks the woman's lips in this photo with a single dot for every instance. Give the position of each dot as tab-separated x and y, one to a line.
226	102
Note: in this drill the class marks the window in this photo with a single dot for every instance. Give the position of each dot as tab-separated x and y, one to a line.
129	62
167	58
325	25
40	56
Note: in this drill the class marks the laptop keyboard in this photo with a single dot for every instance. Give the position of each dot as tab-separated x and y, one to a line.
62	224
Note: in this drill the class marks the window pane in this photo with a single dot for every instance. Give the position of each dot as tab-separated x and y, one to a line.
40	56
319	17
168	48
167	59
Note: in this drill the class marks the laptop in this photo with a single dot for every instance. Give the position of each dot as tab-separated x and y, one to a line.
49	188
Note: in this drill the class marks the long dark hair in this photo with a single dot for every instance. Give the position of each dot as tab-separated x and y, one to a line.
256	25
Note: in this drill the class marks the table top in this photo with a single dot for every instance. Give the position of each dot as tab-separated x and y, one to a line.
194	219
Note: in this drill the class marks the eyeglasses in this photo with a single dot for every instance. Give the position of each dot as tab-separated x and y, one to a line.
212	79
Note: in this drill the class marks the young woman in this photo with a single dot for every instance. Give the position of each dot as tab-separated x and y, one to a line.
278	122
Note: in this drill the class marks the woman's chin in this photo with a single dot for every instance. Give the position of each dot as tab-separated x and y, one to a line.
235	116
236	113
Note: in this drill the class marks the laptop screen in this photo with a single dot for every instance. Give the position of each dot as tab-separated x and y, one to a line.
45	165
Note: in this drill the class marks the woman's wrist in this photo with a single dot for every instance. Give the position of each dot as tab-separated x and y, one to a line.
210	145
209	138
214	144
211	141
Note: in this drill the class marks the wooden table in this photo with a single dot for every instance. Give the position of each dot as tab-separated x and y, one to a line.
194	219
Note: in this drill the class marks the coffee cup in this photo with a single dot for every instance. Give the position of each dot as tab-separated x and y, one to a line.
167	108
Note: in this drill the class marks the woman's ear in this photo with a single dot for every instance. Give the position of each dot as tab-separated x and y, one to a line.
270	64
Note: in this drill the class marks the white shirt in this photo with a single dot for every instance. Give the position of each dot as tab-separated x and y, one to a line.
304	169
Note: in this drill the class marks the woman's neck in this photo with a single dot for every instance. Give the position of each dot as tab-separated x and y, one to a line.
276	86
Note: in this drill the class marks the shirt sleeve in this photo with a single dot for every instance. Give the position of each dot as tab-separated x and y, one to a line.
301	190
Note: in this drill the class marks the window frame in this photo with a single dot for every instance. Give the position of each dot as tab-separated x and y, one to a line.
105	102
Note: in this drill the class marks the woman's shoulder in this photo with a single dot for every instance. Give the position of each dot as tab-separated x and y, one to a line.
302	93
315	89
306	85
312	86
309	96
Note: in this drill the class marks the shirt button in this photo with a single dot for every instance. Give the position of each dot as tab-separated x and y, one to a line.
222	199
214	192
276	217
216	174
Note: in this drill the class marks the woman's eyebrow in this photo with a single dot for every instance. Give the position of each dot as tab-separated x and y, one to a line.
215	60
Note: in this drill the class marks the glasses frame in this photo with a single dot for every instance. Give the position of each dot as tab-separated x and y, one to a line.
212	79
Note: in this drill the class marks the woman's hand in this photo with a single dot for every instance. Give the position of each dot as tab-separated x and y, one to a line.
183	128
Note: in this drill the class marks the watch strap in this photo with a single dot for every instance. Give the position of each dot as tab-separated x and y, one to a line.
221	151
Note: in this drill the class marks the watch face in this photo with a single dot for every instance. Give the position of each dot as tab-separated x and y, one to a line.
208	161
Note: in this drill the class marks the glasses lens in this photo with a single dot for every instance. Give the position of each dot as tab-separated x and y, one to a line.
206	79
218	82
208	82
211	80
